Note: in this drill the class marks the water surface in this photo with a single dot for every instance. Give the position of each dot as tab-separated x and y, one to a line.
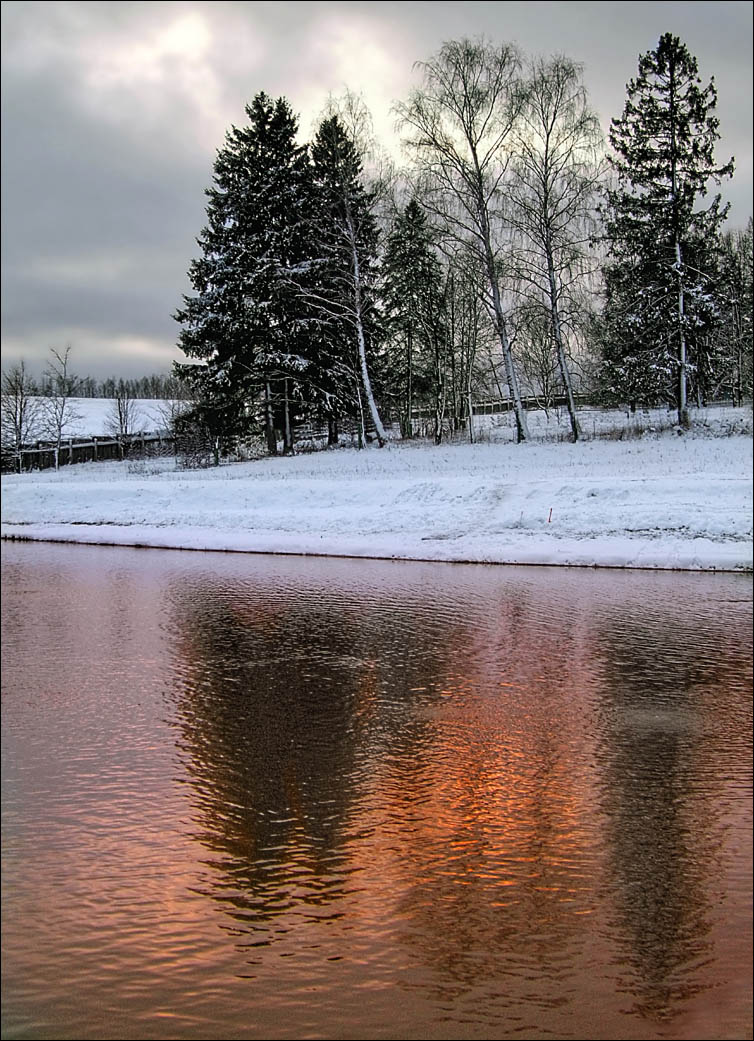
259	797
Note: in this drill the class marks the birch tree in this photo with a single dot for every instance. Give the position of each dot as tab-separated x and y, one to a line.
124	414
556	173
460	127
59	413
20	408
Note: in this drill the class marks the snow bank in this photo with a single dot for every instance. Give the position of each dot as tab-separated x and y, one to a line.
659	502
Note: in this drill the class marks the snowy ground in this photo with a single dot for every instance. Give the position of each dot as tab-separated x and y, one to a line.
661	501
95	417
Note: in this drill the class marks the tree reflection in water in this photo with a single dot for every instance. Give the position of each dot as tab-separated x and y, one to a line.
501	784
670	712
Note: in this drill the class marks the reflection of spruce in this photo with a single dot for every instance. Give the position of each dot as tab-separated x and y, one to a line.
278	712
656	753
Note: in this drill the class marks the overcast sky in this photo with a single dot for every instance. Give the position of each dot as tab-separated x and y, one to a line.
112	113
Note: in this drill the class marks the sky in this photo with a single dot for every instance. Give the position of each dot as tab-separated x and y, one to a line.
112	114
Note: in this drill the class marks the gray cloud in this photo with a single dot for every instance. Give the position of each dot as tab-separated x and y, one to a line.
112	113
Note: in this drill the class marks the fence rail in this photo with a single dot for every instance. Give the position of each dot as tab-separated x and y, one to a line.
45	455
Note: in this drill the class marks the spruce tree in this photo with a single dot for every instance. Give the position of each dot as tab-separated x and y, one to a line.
246	321
340	288
659	270
414	306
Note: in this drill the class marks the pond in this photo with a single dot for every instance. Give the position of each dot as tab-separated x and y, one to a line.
280	797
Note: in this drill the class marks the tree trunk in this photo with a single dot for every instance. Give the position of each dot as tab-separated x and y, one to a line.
332	431
408	427
360	338
269	424
470	406
683	411
557	333
522	429
362	428
287	428
440	390
738	394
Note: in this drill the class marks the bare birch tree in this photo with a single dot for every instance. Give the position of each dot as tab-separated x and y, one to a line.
556	171
534	347
20	408
123	416
469	329
58	411
460	125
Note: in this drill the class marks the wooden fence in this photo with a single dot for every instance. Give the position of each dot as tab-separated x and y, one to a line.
308	435
42	454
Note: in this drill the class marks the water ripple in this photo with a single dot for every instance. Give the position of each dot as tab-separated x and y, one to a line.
272	798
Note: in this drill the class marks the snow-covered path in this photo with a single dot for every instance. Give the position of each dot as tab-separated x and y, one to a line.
671	502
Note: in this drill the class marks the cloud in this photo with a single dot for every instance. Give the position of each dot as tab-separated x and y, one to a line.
112	113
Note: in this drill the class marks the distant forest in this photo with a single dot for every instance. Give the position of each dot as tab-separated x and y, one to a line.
165	387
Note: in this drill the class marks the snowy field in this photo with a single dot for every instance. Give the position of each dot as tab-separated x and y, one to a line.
657	501
95	417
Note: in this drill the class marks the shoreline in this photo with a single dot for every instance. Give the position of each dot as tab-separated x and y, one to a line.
690	555
661	503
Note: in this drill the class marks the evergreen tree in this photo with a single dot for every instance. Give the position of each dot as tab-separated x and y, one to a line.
340	286
659	272
414	306
246	321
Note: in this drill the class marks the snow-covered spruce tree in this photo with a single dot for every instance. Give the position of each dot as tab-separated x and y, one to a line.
246	321
658	272
460	125
414	304
339	288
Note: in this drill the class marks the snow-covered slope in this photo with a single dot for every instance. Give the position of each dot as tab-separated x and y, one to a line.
663	501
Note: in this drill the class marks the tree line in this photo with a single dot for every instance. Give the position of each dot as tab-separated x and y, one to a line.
157	387
515	257
45	409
